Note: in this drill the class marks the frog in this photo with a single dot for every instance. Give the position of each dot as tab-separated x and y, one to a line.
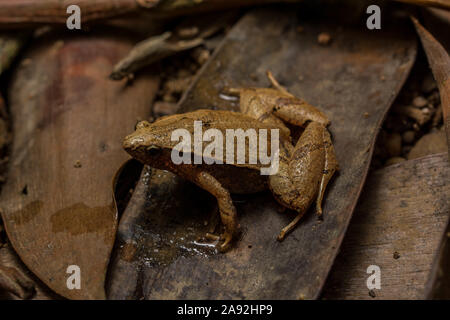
304	169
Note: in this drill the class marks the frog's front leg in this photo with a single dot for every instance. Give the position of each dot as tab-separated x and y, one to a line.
303	176
226	207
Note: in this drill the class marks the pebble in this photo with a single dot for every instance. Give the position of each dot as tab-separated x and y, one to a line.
408	137
394	160
431	143
420	102
324	38
394	145
200	55
188	32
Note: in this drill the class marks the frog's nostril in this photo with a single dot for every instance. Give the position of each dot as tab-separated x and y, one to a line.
129	143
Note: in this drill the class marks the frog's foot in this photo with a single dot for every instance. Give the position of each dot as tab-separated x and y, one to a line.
289	227
226	245
222	247
226	207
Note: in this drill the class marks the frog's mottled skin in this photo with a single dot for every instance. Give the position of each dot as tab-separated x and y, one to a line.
304	169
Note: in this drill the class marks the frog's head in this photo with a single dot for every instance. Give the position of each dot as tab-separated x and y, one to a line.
143	144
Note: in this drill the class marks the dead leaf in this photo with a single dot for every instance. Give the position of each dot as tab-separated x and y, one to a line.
69	121
343	80
398	224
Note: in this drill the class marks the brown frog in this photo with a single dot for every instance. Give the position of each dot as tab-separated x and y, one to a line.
304	170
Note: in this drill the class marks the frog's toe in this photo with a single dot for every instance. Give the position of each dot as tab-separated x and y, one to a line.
213	237
226	245
281	236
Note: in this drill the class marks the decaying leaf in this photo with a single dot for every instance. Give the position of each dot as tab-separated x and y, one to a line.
397	226
358	73
20	283
69	121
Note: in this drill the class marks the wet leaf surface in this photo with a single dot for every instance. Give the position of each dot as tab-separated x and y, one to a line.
353	79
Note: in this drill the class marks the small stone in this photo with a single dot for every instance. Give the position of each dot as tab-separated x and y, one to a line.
394	145
77	164
177	86
200	55
188	32
324	38
366	115
169	98
419	102
408	136
431	143
394	160
396	255
426	111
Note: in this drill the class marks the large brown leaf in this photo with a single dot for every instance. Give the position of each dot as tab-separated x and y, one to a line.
353	80
398	224
69	121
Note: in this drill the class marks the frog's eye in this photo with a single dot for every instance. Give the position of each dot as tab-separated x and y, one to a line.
142	125
153	150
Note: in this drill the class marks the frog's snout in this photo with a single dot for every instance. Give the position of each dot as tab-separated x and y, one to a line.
132	142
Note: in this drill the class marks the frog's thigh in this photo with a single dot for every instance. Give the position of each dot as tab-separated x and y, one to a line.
298	112
226	207
331	165
304	174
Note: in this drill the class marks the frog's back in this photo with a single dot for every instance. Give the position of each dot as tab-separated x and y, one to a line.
228	125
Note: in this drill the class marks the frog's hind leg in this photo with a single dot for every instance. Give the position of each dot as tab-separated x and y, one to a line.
297	183
294	110
226	206
331	166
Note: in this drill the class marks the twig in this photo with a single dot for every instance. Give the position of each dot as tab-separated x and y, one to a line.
150	51
440	65
23	12
19	13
